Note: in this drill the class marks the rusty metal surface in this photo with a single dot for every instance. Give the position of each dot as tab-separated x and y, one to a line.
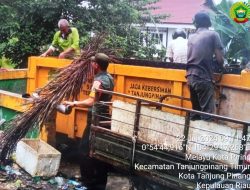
114	149
157	104
236	104
121	149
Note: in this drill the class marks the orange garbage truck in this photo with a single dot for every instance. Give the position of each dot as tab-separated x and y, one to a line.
150	132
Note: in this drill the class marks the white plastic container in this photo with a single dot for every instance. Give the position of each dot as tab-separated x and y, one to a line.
37	157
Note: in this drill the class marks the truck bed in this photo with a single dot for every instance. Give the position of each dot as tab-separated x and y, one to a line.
169	148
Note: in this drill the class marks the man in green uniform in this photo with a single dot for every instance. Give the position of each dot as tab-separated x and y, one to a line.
94	172
65	41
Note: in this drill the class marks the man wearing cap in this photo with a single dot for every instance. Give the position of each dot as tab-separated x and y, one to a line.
65	41
202	46
93	172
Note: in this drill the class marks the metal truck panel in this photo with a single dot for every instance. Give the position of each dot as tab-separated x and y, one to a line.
142	81
164	147
14	80
209	140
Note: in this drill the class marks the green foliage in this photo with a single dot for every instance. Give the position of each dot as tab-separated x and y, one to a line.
151	50
9	25
33	24
235	36
135	46
118	19
30	25
7	63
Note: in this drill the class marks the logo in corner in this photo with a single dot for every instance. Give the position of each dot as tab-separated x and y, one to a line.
240	12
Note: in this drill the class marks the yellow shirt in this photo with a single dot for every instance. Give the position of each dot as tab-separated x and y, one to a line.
63	43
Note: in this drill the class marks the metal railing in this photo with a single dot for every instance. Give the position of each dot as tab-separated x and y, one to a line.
187	125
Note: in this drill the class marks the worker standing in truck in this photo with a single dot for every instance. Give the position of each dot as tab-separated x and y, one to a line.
202	46
177	48
65	41
93	171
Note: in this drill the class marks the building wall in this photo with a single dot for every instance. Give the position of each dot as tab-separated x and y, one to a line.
166	30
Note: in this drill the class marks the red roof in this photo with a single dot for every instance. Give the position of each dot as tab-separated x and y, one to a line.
180	11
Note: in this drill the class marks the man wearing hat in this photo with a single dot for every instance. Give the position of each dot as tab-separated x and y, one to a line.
94	172
202	46
102	80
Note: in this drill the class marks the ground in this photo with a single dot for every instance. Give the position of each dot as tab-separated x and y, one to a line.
11	180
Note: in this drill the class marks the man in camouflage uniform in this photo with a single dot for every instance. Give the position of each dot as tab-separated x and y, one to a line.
94	172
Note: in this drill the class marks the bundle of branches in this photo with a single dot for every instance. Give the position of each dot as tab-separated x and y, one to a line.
66	84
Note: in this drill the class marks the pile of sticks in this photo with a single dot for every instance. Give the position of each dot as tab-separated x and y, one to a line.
67	84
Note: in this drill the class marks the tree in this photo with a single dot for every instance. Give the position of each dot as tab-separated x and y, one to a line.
31	24
125	35
235	36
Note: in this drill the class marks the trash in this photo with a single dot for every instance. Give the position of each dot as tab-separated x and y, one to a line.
3	180
2	167
36	179
13	158
10	171
65	187
26	182
35	186
80	188
52	181
18	183
75	183
1	122
59	181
